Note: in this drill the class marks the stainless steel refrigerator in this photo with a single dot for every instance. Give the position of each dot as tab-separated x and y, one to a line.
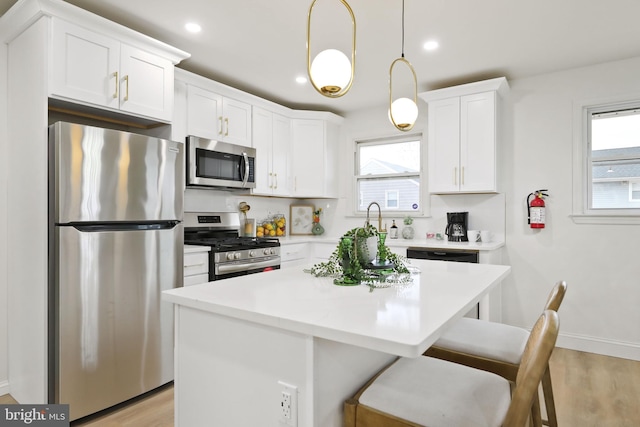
115	243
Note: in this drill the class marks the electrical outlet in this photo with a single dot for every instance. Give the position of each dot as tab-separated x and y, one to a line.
288	404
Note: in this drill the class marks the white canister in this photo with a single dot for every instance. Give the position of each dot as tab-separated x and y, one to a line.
473	235
485	236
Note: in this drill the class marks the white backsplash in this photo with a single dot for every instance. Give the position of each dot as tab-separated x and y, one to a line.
486	211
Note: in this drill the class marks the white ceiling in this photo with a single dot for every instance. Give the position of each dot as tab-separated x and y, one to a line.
259	45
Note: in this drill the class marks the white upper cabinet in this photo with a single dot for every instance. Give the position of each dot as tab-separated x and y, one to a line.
314	158
463	136
212	116
272	141
307	138
100	71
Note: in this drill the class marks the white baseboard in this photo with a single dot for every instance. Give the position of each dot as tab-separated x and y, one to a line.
625	350
4	388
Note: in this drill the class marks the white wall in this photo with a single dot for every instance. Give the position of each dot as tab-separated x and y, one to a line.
599	262
486	211
3	220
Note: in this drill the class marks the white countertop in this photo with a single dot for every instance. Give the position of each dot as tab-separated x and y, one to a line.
402	320
403	243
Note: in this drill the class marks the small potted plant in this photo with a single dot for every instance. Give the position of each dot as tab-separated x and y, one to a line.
407	230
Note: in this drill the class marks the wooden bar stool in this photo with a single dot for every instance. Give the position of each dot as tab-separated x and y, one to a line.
497	348
428	392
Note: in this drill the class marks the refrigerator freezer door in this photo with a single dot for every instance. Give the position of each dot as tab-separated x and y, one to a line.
115	335
106	175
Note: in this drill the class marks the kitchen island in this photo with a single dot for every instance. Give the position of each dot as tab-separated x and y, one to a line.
241	342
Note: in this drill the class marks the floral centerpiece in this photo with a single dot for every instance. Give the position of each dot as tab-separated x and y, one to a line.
351	263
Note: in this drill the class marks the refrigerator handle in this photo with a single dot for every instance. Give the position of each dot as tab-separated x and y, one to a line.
93	228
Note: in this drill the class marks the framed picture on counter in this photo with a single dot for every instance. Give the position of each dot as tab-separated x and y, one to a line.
300	219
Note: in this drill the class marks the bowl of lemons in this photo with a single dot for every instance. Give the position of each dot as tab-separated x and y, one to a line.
275	226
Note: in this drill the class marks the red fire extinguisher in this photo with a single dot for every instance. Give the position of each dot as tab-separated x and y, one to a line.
536	209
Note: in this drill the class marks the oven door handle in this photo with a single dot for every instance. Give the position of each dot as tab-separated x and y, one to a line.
234	268
245	178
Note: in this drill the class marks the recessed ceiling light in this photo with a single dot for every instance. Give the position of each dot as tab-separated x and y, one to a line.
192	27
301	80
431	45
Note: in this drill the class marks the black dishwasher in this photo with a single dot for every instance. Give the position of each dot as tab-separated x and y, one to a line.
456	255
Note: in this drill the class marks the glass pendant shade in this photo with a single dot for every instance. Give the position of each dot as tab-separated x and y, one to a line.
331	71
403	113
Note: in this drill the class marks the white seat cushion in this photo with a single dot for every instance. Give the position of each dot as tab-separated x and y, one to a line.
486	339
437	393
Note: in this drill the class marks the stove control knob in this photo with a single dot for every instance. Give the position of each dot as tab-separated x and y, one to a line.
230	256
266	251
236	255
252	254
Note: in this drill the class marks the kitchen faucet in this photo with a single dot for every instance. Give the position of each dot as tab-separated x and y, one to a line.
379	217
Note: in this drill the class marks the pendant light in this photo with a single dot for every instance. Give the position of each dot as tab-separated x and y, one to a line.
403	112
331	73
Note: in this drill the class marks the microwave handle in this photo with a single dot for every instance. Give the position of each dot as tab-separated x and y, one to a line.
245	179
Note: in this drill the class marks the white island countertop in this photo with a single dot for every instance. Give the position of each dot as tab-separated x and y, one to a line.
403	320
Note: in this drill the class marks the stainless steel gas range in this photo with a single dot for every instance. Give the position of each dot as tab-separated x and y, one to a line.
231	255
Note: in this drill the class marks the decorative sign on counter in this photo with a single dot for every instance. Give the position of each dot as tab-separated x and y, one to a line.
362	257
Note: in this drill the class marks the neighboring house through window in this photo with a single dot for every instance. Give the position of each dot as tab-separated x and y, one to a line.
606	165
615	158
389	172
391	199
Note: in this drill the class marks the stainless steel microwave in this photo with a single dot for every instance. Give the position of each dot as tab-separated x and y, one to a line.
219	164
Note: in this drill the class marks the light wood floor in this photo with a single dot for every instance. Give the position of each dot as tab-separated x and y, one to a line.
590	391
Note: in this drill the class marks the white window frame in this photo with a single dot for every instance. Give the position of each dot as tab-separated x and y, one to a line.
582	179
423	196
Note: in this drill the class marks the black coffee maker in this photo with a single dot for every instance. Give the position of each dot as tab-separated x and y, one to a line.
456	230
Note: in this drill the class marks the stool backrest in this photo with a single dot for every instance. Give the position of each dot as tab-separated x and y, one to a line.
556	296
533	364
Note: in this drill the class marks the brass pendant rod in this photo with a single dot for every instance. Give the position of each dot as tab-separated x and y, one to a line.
402	127
353	52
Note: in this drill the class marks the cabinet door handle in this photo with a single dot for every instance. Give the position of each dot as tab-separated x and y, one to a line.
276	175
462	179
221	127
115	94
126	94
226	120
455	175
270	179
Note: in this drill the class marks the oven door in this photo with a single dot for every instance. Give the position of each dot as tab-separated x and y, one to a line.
228	270
218	164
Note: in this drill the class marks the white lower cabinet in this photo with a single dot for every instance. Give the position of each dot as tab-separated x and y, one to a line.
323	250
292	255
196	265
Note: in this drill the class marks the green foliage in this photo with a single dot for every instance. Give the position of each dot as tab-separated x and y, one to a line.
408	220
343	264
